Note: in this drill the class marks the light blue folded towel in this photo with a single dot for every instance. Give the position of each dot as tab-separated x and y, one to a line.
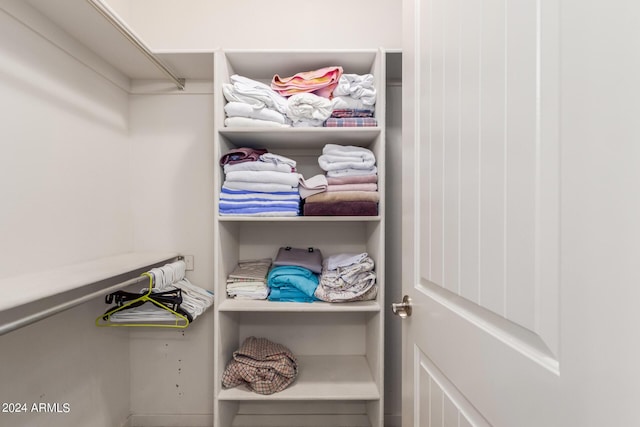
300	278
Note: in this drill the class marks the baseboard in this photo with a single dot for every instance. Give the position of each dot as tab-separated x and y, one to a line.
206	420
301	421
170	420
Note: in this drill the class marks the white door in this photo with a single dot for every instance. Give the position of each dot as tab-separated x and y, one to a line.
524	304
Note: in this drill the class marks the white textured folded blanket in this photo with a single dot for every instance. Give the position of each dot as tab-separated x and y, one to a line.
278	159
261	187
245	122
338	157
243	89
257	166
351	172
242	109
307	107
290	178
358	87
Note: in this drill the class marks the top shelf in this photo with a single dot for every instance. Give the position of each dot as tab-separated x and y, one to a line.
86	25
29	288
264	64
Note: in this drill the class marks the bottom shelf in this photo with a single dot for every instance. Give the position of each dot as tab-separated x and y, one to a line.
340	420
320	378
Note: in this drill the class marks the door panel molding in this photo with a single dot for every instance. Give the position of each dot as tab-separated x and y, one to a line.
446	404
520	339
487	162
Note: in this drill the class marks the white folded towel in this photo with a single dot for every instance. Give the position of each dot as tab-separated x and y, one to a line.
290	178
244	122
242	109
243	89
261	187
352	172
349	103
338	157
257	166
307	107
348	150
330	164
278	159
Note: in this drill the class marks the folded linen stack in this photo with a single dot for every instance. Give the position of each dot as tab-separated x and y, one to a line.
320	82
354	100
259	184
352	183
249	279
347	277
264	366
253	104
294	277
308	93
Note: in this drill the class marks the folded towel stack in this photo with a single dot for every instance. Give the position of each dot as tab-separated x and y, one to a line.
347	277
252	103
354	100
262	365
351	183
323	97
294	277
249	279
258	183
292	284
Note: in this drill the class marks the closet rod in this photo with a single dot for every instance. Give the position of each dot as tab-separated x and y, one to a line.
109	15
35	317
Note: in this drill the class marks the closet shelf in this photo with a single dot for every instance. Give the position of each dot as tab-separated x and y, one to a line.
314	307
300	219
320	378
32	297
32	287
83	23
298	420
300	137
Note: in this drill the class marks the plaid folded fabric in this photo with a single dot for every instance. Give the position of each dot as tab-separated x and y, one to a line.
264	366
350	122
343	113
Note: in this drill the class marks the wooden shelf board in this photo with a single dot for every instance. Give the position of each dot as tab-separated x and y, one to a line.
311	420
28	288
223	218
314	307
320	378
299	138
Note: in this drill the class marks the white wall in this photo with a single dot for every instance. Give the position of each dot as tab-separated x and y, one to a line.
600	154
172	201
259	24
64	175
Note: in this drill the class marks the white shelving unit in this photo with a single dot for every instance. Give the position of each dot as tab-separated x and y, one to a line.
339	345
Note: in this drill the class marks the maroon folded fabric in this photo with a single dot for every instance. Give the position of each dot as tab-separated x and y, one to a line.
341	208
242	154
